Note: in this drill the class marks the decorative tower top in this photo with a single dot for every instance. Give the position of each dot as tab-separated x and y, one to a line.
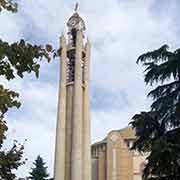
75	24
75	21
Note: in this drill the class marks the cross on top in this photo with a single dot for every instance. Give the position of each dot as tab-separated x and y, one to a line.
76	7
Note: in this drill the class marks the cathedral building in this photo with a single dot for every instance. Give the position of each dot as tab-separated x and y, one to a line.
113	160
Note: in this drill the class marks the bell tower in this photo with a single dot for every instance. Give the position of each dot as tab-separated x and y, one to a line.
72	152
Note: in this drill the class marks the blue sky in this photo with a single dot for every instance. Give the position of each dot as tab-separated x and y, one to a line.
119	30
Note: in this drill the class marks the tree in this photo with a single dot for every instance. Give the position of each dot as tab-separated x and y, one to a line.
158	130
8	5
39	172
16	59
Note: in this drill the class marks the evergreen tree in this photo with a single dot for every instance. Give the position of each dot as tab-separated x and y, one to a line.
39	172
158	130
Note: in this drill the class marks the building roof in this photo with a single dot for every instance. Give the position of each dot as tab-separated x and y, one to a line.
126	133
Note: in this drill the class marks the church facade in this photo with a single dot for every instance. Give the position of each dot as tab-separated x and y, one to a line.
113	160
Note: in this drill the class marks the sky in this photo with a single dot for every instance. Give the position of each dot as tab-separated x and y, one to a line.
120	31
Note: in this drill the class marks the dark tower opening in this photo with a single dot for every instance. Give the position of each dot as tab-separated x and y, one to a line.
74	34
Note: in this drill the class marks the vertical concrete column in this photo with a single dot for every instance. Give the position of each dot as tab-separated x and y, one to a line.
95	168
59	169
114	164
69	110
76	168
86	118
101	166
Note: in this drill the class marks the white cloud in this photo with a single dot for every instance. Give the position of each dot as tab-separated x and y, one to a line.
119	31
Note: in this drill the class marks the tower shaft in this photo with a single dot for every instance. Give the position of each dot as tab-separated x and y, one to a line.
59	165
86	116
72	154
77	145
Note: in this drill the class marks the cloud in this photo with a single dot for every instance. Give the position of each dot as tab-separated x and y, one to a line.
119	31
40	141
11	27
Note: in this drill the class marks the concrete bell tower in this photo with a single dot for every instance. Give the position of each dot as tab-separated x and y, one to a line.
72	152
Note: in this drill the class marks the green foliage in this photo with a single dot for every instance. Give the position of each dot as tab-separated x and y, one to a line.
8	5
20	57
158	130
10	160
7	100
39	172
3	129
16	60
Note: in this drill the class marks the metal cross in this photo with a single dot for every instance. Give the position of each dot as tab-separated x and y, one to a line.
76	7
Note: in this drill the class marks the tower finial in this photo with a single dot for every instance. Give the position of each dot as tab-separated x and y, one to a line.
76	7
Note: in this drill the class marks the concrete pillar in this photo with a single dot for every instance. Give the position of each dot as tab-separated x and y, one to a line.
94	168
69	110
86	117
76	168
59	166
101	166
